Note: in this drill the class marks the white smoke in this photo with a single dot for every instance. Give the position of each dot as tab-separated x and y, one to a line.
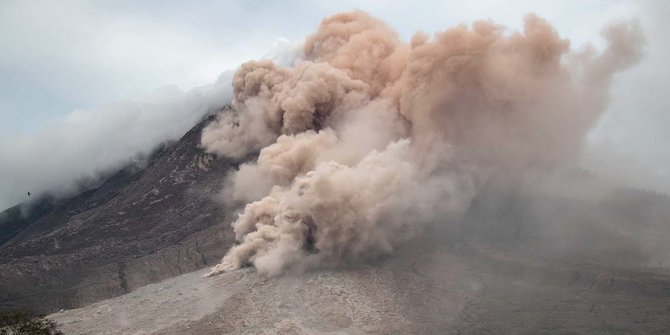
86	144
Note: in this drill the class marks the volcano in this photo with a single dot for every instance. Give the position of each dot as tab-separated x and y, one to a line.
463	278
371	186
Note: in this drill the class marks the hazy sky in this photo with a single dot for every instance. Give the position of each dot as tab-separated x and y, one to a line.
65	65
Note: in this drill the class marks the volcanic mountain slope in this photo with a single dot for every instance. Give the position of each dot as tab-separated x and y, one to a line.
515	263
139	226
427	287
501	269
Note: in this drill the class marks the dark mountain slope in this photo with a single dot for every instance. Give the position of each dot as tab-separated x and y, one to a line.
590	259
16	219
138	227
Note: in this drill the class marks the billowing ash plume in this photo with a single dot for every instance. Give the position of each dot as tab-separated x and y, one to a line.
369	138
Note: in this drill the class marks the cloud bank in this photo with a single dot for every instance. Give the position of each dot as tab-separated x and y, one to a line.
369	137
85	144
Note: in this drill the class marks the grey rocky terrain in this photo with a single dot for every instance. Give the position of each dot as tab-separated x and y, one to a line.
141	225
514	264
424	288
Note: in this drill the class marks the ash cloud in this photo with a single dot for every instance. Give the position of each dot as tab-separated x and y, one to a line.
368	139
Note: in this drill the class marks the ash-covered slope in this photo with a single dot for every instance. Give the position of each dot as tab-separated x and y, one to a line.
514	263
427	286
138	227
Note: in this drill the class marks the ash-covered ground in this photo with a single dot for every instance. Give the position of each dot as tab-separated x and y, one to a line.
427	287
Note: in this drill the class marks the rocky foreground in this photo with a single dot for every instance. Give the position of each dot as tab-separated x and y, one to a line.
425	288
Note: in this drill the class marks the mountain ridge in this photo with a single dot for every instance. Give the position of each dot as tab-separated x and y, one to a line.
137	244
138	226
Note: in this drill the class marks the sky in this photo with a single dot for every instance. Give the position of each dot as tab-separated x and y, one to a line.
86	86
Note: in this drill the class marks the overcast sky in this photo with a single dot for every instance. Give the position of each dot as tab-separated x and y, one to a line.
72	64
